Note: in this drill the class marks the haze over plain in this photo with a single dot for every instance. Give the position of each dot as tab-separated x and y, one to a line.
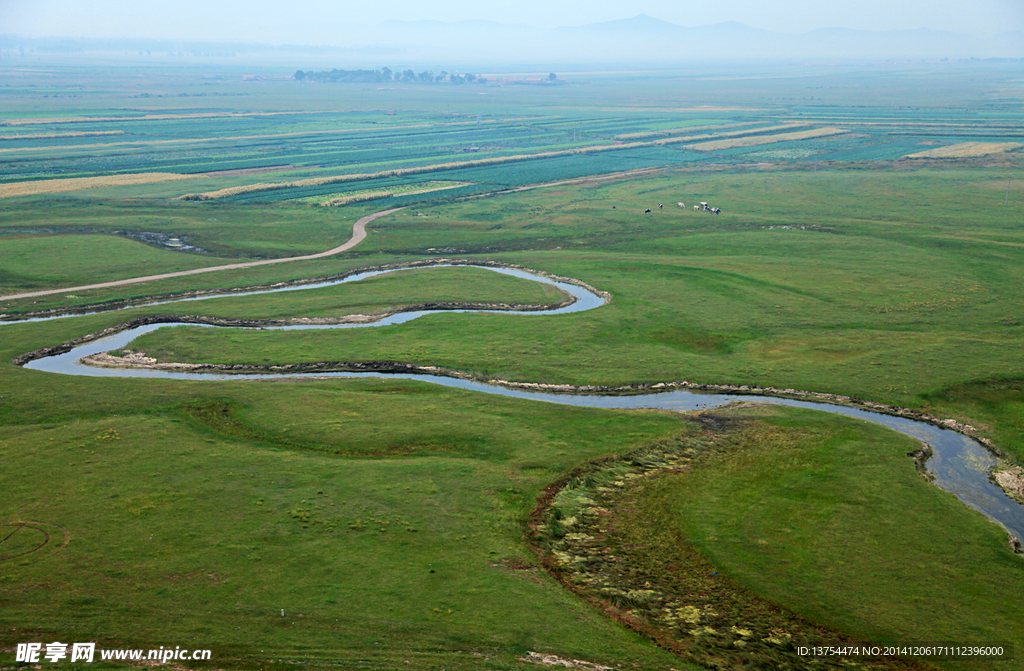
653	31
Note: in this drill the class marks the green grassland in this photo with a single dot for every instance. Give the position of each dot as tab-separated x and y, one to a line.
183	532
388	518
837	297
36	262
794	506
811	544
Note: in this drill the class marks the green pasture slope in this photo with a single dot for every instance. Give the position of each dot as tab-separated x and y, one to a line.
386	519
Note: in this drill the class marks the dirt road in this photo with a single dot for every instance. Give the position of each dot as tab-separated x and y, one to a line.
358	235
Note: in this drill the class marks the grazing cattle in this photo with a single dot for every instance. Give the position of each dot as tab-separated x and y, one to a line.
715	210
647	211
681	204
660	206
696	208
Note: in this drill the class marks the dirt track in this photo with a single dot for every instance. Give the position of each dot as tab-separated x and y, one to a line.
358	235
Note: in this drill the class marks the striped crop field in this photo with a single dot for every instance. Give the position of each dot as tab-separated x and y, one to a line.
514	158
401	172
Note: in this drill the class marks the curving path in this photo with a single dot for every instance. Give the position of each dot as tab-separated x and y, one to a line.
358	235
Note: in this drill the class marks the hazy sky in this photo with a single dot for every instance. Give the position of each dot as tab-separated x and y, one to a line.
313	21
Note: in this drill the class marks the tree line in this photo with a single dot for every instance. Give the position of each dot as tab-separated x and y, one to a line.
387	75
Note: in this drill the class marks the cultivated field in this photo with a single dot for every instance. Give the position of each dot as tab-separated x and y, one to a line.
385	523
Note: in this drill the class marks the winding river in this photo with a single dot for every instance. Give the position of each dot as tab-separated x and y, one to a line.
959	463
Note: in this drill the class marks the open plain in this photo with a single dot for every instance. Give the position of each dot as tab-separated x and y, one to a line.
863	249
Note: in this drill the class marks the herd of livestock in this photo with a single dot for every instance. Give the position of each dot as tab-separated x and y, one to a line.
703	207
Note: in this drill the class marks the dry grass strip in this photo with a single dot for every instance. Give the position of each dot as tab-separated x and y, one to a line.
201	115
755	140
373	195
735	133
685	129
752	132
357	198
143	117
846	121
50	136
37	187
967	150
70	147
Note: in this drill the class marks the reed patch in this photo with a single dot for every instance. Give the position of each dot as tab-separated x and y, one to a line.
754	140
39	187
968	150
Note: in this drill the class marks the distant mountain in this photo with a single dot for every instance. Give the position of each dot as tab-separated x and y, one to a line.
641	23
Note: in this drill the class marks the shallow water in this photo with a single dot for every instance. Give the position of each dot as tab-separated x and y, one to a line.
960	464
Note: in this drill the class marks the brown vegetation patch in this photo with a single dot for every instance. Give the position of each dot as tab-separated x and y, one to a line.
38	187
50	136
685	129
143	117
515	564
720	108
374	195
546	659
967	150
91	145
895	121
754	140
1011	480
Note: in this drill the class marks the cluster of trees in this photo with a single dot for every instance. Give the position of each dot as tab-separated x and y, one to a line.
387	75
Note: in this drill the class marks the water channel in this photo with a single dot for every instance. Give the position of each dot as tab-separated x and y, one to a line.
959	464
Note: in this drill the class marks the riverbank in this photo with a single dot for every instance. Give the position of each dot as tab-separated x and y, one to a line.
158	299
724	578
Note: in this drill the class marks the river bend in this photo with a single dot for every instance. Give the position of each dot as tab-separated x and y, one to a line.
959	464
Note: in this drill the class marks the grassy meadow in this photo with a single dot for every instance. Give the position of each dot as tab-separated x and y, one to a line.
386	524
838	297
757	507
